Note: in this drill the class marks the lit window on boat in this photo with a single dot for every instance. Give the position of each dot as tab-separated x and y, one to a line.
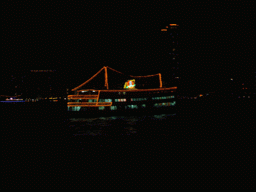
172	103
101	108
143	105
124	93
113	107
108	100
76	108
120	100
138	99
131	107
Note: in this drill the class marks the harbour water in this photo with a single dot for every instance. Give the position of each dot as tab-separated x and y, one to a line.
205	144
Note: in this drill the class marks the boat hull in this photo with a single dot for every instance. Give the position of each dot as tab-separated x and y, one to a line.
94	112
122	102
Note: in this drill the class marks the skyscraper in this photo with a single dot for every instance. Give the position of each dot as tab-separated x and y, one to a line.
170	34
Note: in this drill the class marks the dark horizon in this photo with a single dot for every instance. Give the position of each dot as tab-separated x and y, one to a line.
215	44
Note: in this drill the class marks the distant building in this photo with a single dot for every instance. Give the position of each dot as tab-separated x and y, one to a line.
170	34
42	84
12	84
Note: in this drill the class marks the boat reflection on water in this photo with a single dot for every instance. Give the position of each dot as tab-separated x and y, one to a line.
117	125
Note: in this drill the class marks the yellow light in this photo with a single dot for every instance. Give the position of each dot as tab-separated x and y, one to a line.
163	29
126	85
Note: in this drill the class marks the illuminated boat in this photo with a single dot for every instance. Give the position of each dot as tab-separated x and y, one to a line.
128	100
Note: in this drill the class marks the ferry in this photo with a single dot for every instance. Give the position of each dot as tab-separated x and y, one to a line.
126	101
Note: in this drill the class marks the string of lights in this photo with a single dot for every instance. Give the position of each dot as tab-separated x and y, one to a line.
106	77
89	104
138	90
87	80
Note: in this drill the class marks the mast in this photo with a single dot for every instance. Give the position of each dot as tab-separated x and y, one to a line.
160	80
106	77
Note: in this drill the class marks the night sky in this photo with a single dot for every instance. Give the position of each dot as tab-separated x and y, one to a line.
78	39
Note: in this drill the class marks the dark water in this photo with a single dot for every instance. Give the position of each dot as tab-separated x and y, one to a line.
123	125
204	145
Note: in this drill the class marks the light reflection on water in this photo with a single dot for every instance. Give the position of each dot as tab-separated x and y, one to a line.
125	125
